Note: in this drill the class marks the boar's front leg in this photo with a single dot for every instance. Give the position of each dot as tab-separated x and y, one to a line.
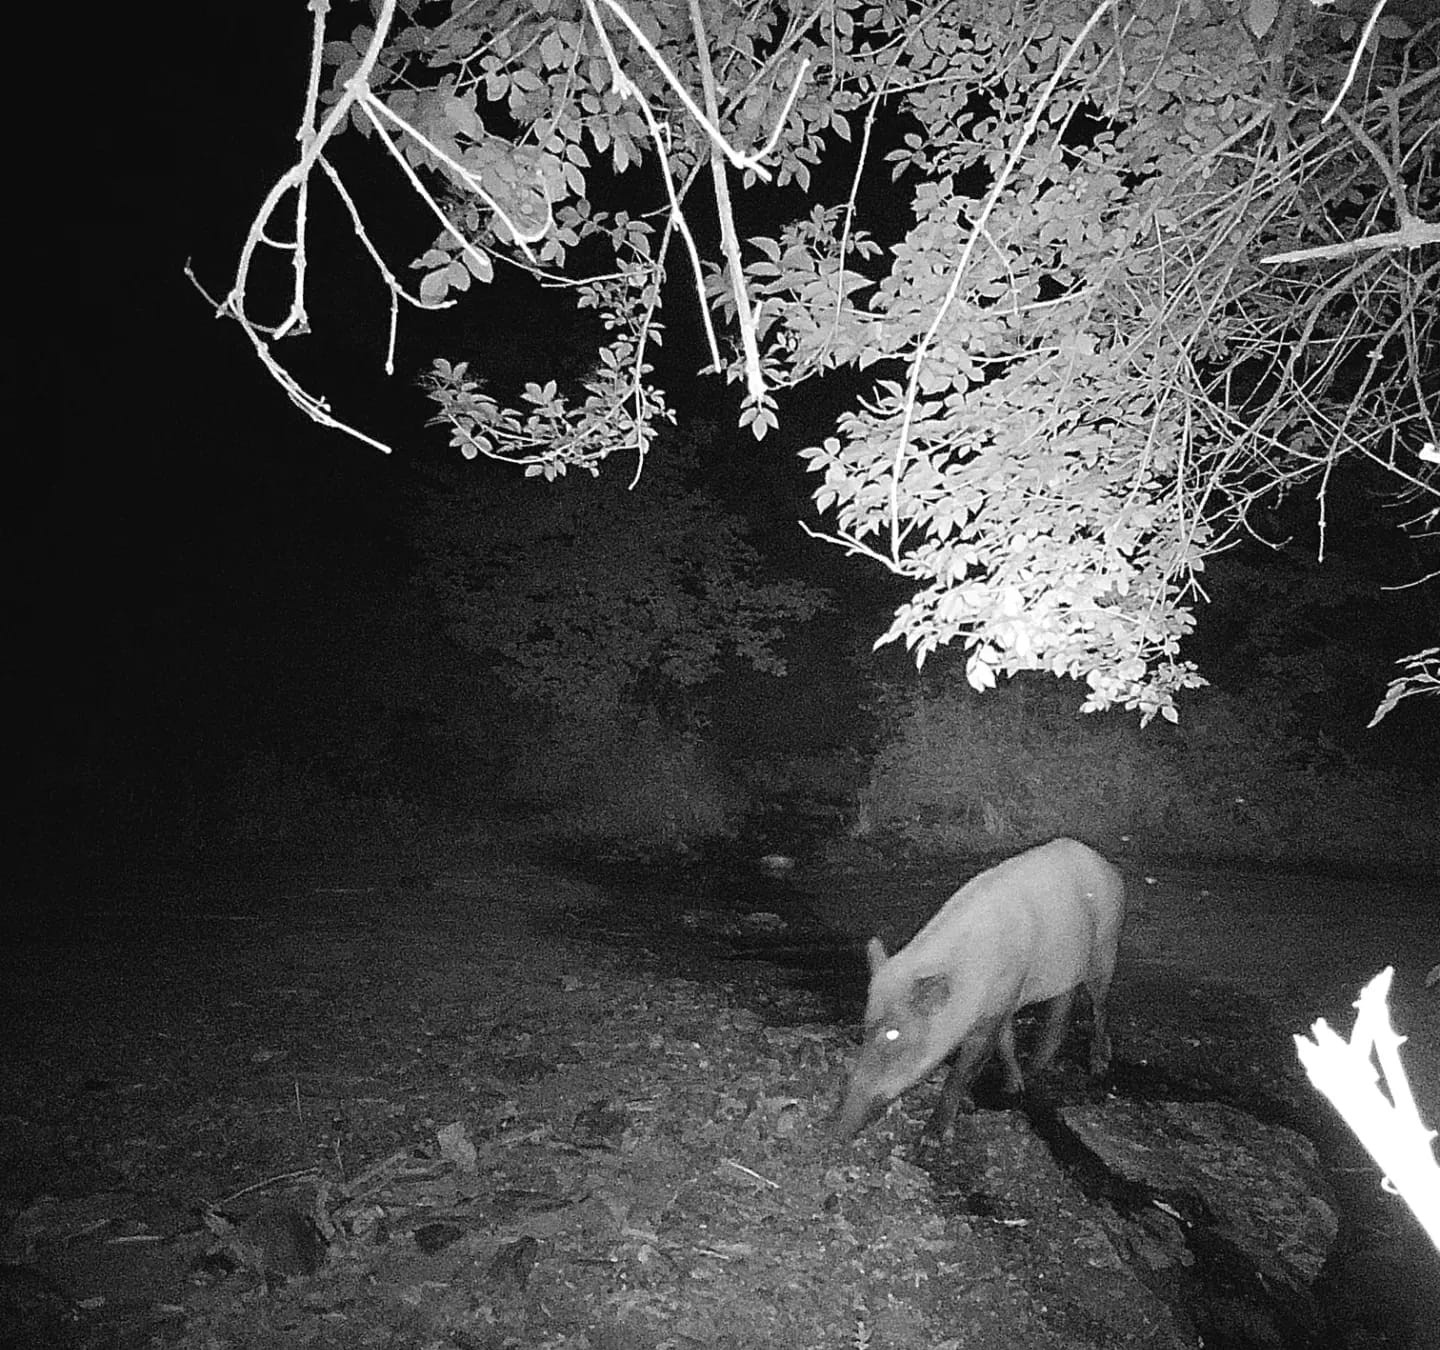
971	1054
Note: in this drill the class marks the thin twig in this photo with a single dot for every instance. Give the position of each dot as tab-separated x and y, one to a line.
1355	60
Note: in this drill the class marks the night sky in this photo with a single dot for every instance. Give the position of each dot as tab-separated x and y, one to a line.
184	535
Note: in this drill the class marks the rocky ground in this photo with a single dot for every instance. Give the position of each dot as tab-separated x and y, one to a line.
493	1104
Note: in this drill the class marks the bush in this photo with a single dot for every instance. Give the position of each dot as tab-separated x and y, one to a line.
334	785
626	785
965	772
958	771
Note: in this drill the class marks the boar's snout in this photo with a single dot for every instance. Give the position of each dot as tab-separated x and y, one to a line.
860	1108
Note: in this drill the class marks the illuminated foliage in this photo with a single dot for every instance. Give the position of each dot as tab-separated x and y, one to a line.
1116	270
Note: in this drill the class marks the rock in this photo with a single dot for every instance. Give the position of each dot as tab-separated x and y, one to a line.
1247	1197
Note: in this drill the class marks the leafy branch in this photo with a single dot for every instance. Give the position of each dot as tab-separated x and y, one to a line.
518	217
1135	273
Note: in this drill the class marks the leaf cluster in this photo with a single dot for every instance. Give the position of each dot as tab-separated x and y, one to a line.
1139	265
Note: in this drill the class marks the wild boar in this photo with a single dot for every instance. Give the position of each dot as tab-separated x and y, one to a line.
1035	928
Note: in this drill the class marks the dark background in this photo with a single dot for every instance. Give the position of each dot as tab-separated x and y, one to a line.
197	566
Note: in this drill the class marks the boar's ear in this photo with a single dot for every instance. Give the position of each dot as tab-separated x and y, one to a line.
875	955
929	994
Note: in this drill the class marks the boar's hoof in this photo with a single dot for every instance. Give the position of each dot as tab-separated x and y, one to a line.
941	1125
938	1130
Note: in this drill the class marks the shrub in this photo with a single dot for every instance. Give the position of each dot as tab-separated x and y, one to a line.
962	771
965	772
626	785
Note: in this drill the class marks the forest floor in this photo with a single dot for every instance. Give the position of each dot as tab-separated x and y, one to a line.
498	1105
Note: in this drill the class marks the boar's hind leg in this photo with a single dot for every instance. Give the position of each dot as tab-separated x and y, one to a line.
1098	989
1057	1023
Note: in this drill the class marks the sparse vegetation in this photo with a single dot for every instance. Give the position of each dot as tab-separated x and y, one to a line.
959	772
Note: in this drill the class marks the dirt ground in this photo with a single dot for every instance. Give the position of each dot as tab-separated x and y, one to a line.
484	1106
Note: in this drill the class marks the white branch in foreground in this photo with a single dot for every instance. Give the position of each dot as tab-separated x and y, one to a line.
1390	1129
